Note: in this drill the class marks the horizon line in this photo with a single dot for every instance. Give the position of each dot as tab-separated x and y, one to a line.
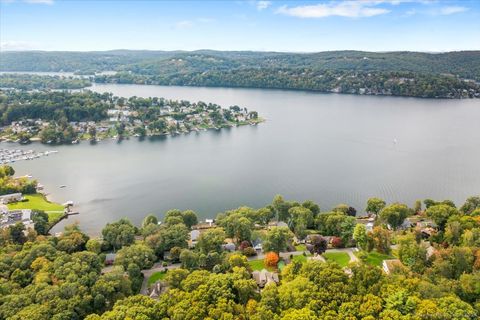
246	50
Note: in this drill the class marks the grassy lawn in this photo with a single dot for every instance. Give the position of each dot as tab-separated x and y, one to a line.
258	265
160	275
300	258
301	247
36	201
54	216
375	259
342	258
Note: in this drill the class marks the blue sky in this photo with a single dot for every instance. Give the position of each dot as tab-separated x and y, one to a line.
302	26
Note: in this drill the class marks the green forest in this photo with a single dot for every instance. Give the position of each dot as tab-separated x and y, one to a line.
440	75
38	82
435	246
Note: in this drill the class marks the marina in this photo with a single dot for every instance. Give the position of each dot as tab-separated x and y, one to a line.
14	155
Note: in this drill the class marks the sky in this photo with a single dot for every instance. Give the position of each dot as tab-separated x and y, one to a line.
293	26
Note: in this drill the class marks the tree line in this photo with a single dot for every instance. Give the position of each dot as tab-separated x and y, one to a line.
45	277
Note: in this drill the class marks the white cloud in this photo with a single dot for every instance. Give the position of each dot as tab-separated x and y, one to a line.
445	11
49	2
350	9
261	5
438	11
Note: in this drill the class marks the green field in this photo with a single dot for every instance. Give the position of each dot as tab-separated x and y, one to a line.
375	259
38	201
299	258
342	258
301	247
160	275
258	265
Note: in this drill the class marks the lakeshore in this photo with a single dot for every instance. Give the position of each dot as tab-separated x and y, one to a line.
324	147
69	117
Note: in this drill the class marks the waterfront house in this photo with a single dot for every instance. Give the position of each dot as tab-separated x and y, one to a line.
12	197
11	217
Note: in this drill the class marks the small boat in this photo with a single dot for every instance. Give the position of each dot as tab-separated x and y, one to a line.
63	186
395	141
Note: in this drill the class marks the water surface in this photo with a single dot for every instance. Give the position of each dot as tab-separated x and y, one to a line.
326	147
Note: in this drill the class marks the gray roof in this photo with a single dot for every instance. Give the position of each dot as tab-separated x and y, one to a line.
194	234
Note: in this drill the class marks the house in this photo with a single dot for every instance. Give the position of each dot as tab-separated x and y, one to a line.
407	224
427	232
11	217
278	224
389	265
157	289
194	234
257	245
118	115
229	246
264	277
110	258
9	198
430	251
369	226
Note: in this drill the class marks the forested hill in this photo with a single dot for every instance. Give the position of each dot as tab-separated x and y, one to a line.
392	73
465	64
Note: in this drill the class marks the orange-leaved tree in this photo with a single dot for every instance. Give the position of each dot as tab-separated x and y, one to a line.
271	259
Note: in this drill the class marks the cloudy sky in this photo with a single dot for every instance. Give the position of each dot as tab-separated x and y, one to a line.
373	25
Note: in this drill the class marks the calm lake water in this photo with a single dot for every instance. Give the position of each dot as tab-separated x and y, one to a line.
326	147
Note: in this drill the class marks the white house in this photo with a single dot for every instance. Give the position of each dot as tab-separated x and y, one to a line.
13	197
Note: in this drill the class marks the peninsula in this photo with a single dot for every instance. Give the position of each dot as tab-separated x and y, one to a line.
55	117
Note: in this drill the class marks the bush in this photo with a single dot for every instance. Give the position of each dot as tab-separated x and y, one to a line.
362	255
249	252
164	264
337	242
244	244
175	254
271	259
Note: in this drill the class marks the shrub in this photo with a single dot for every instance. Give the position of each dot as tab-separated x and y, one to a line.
175	254
337	242
362	255
271	259
249	252
164	264
244	244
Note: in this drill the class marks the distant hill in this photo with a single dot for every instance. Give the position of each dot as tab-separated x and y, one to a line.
465	64
389	73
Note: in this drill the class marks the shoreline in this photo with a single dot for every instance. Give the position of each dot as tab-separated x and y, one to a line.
35	139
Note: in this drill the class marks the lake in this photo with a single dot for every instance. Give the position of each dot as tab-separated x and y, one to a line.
329	148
